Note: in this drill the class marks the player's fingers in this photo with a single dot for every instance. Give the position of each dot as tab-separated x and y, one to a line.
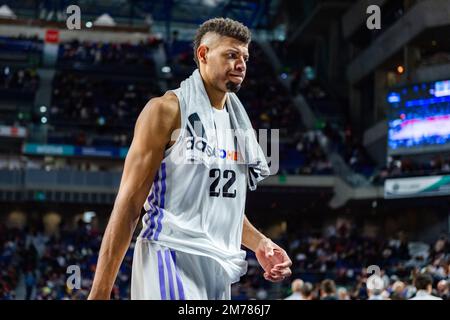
286	272
275	274
268	277
274	278
276	271
284	264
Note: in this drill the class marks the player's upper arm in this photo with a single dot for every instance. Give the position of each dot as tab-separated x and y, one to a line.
152	133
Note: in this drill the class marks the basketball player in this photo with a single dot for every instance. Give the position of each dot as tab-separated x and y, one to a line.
194	226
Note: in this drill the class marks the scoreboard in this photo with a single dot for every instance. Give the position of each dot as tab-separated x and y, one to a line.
419	118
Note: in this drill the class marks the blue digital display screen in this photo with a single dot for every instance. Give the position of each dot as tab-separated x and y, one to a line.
419	116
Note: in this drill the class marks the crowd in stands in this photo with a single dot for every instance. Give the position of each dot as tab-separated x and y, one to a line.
35	263
334	266
304	155
420	286
344	142
104	105
268	102
18	86
100	53
10	261
409	167
19	80
331	118
180	59
26	80
91	108
41	261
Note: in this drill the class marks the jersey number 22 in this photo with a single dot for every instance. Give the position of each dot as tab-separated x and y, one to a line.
230	176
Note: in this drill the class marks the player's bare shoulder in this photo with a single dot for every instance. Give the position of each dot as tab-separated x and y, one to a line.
161	114
173	108
165	108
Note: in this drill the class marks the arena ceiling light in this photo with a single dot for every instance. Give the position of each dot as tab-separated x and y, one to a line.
166	69
88	216
105	20
6	12
211	3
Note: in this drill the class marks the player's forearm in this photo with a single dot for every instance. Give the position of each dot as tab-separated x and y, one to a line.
251	237
116	241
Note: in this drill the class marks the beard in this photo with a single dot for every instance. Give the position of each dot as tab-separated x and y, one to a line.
233	87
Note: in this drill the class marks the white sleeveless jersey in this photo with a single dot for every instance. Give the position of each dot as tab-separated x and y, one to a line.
200	210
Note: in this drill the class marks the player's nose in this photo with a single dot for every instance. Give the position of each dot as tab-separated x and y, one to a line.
241	66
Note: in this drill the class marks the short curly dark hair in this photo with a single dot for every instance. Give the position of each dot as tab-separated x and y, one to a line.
222	26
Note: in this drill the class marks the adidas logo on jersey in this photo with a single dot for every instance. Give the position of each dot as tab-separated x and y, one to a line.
201	145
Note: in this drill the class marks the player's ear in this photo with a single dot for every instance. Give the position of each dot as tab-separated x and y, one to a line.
202	53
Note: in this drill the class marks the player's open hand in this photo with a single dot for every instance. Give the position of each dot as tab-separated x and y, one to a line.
274	260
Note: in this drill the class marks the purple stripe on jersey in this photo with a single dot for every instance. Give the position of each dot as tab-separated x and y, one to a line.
150	199
150	211
151	229
155	182
163	187
153	208
169	274
179	283
162	282
162	202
